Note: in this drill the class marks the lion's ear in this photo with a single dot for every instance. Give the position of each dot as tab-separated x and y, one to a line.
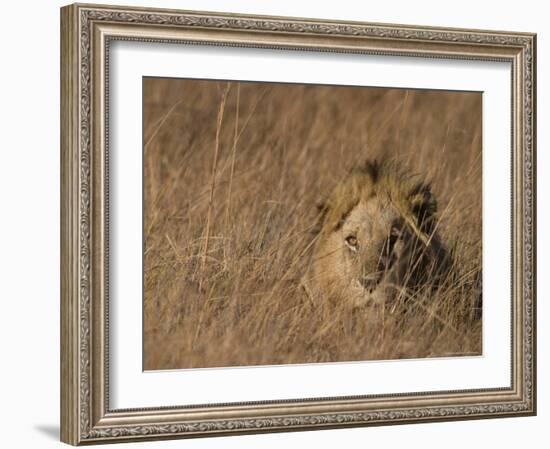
424	207
322	210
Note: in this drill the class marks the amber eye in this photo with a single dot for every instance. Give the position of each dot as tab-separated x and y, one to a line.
351	241
394	236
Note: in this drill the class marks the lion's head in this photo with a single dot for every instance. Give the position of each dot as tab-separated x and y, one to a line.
378	234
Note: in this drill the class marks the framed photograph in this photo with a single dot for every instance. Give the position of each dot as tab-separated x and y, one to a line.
279	224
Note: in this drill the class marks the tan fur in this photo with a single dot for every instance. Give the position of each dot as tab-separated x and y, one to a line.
377	237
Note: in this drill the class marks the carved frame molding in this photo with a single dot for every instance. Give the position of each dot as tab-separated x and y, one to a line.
87	31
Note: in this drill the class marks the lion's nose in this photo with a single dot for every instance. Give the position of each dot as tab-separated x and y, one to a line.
370	281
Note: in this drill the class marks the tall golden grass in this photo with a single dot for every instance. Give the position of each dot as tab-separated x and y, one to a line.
232	174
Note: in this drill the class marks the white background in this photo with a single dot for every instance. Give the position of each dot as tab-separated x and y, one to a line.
29	225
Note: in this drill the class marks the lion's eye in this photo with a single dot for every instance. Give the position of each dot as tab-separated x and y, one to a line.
351	241
394	235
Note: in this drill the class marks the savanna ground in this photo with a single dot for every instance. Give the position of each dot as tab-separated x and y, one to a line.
232	174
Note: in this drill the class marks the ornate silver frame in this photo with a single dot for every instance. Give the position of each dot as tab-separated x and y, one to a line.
86	33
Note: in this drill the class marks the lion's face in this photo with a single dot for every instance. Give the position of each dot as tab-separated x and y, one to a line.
377	238
368	238
356	259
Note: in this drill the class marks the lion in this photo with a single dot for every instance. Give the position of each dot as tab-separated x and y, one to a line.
377	238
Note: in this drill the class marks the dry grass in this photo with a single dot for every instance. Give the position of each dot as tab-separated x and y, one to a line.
232	173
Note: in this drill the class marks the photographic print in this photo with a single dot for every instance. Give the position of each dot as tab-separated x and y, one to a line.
299	223
294	208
